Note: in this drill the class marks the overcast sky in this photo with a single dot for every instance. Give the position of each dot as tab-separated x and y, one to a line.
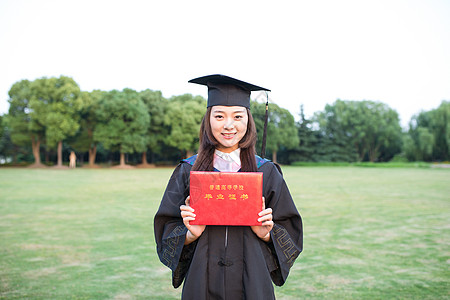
306	52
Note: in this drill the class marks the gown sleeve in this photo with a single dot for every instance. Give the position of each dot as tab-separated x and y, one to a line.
287	234
170	232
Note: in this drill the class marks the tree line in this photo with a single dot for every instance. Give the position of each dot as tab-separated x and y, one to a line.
49	117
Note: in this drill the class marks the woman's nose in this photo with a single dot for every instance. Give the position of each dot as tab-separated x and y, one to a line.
229	124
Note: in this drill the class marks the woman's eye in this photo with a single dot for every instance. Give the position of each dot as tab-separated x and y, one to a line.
238	117
218	117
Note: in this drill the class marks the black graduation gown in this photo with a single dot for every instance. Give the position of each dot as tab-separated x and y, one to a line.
229	262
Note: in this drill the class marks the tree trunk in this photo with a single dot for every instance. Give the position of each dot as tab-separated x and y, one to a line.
35	145
92	154
59	164
122	159
144	158
373	153
274	156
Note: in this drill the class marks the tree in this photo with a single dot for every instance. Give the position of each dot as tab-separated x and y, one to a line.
55	103
123	122
184	116
84	140
157	131
365	125
6	145
3	132
429	135
24	126
306	148
281	130
441	131
437	121
419	147
331	147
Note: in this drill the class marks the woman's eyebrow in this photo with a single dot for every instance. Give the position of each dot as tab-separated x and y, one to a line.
222	112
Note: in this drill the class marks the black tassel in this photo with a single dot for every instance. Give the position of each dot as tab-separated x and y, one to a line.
263	148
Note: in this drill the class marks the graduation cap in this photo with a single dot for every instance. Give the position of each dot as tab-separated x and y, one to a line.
228	91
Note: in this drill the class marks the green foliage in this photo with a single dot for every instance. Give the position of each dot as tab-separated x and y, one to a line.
84	139
55	104
157	107
281	129
23	124
399	158
367	126
2	125
184	116
47	111
122	121
306	149
6	145
429	135
318	146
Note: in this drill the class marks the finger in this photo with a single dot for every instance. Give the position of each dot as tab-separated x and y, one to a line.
265	218
186	208
268	224
265	212
188	219
188	201
185	214
263	203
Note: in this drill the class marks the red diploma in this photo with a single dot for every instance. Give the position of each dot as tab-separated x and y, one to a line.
226	198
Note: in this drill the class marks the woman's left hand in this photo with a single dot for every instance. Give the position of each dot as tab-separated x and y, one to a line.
263	231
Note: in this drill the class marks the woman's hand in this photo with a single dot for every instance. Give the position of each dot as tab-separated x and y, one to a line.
263	231
194	231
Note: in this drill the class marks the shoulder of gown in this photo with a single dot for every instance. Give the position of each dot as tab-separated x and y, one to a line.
190	160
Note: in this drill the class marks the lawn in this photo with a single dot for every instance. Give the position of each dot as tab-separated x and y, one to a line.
369	233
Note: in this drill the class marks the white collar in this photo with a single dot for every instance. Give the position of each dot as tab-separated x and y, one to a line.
232	156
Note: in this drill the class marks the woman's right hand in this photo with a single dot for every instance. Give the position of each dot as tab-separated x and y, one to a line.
194	231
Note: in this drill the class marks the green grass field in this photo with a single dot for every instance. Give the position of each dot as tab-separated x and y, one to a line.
369	233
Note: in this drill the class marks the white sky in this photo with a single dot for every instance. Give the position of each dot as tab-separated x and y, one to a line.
306	52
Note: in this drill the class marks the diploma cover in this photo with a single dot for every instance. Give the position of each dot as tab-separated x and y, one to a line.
226	198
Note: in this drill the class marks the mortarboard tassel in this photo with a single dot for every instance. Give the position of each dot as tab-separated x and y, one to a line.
263	148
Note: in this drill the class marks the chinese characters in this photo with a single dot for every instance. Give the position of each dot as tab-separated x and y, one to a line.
223	195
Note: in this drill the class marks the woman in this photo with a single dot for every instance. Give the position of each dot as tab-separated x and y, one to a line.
228	262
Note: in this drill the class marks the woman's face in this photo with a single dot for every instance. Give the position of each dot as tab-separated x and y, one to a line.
228	125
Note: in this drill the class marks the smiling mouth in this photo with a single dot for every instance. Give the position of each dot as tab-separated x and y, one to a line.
228	135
